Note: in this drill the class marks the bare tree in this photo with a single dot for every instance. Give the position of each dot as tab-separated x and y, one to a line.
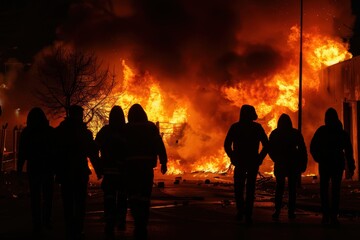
73	77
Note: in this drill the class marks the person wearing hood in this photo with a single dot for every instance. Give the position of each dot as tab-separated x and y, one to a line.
144	147
242	145
331	148
75	144
288	151
112	143
36	148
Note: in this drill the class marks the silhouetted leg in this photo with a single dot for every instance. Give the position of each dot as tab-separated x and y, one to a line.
48	189
109	209
292	185
250	193
133	191
121	209
239	185
67	193
324	195
80	206
335	192
140	189
35	201
140	210
144	204
279	192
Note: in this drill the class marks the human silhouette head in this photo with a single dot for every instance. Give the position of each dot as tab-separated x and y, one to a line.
116	116
331	117
137	114
76	113
36	118
284	122
248	113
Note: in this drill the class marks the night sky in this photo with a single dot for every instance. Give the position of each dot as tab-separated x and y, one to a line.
28	25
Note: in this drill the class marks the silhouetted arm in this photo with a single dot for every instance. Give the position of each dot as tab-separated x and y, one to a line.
100	142
161	151
302	153
93	154
315	146
228	143
265	145
273	147
99	139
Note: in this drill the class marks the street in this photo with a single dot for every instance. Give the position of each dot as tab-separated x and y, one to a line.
187	210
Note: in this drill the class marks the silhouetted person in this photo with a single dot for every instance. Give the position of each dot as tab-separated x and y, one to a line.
111	140
75	144
331	148
35	147
288	151
144	145
242	145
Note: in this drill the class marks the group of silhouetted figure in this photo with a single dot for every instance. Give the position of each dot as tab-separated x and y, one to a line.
330	147
125	154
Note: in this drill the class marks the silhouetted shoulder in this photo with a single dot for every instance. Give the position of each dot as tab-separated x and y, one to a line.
104	129
258	125
150	126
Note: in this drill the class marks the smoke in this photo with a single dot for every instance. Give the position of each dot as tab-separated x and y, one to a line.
183	40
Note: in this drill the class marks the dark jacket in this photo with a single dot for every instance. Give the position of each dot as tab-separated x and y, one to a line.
112	143
287	148
331	145
74	145
243	140
36	144
144	143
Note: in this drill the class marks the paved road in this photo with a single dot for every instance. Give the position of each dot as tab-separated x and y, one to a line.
189	210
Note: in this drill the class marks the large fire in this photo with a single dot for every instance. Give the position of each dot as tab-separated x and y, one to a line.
271	96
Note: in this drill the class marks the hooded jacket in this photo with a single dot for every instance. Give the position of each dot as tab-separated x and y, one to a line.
144	143
36	144
75	145
287	148
112	142
243	140
331	145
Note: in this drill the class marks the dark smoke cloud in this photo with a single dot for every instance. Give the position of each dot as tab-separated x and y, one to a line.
257	62
158	32
169	36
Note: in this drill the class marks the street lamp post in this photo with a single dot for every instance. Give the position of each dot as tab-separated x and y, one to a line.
300	68
300	80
